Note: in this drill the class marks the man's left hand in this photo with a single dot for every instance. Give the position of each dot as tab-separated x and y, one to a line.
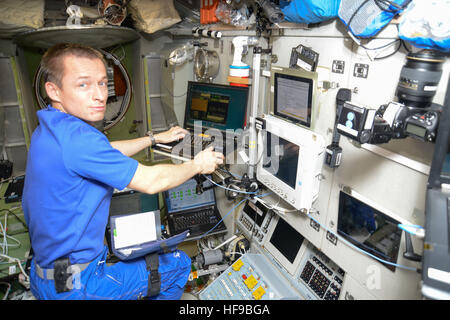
173	134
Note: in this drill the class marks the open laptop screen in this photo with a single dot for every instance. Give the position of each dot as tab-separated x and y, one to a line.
184	197
215	106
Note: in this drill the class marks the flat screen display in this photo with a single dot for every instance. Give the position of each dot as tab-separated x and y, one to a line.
280	158
215	106
369	229
286	240
293	98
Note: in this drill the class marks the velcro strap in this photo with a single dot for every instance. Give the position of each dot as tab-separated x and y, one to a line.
165	248
154	278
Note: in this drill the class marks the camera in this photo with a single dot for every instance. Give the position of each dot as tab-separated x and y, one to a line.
414	115
419	123
363	124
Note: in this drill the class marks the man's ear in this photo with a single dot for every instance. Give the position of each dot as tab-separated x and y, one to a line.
53	91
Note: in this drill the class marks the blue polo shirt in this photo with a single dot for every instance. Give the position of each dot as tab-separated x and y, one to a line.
72	171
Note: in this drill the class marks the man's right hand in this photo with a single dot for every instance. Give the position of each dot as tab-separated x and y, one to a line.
208	160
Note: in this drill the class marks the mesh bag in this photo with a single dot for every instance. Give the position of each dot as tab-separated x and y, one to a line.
365	18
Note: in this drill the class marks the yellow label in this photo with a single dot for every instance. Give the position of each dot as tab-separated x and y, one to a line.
237	265
251	282
258	293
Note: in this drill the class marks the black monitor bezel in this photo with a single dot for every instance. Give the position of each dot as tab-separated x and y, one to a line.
212	85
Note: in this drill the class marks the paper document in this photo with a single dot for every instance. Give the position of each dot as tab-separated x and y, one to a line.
135	229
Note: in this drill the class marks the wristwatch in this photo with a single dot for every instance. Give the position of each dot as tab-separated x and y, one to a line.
152	137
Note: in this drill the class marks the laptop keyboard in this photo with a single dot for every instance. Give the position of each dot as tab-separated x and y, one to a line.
201	217
201	142
195	143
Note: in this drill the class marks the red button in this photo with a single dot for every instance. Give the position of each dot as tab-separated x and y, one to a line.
244	277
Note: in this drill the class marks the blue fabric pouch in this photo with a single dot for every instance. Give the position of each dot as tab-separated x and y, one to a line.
309	11
139	234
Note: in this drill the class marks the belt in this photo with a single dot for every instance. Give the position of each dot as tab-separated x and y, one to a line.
49	273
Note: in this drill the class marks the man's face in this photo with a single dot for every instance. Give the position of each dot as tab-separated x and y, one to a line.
84	89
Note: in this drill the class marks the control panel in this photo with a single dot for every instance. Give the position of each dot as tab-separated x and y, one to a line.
254	220
252	277
321	275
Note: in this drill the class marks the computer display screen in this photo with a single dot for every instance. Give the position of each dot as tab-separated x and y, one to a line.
369	229
286	240
215	106
280	158
293	98
184	197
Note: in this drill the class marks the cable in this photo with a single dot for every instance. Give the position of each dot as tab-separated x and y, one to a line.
203	235
12	212
225	242
362	251
246	198
7	290
277	208
233	190
380	6
413	229
392	53
235	252
11	260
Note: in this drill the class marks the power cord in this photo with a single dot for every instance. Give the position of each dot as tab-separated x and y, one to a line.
379	4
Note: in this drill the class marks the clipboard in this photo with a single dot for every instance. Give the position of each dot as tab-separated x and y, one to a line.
138	234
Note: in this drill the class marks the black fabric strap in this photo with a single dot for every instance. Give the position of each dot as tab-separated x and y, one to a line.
165	248
154	278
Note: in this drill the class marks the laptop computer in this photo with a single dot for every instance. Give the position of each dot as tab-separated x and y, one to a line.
198	213
436	253
215	115
126	202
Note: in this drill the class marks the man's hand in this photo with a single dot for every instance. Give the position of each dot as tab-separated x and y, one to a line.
208	160
173	134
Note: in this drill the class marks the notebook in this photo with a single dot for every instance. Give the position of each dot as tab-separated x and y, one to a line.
215	115
188	210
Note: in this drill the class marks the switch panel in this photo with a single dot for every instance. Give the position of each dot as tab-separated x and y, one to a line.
252	277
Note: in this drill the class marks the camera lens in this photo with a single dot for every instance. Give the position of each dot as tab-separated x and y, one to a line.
419	78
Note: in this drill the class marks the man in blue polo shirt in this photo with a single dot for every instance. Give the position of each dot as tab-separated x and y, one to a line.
72	170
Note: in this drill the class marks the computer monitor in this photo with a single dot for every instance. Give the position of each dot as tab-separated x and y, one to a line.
293	93
368	228
216	106
283	243
290	161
